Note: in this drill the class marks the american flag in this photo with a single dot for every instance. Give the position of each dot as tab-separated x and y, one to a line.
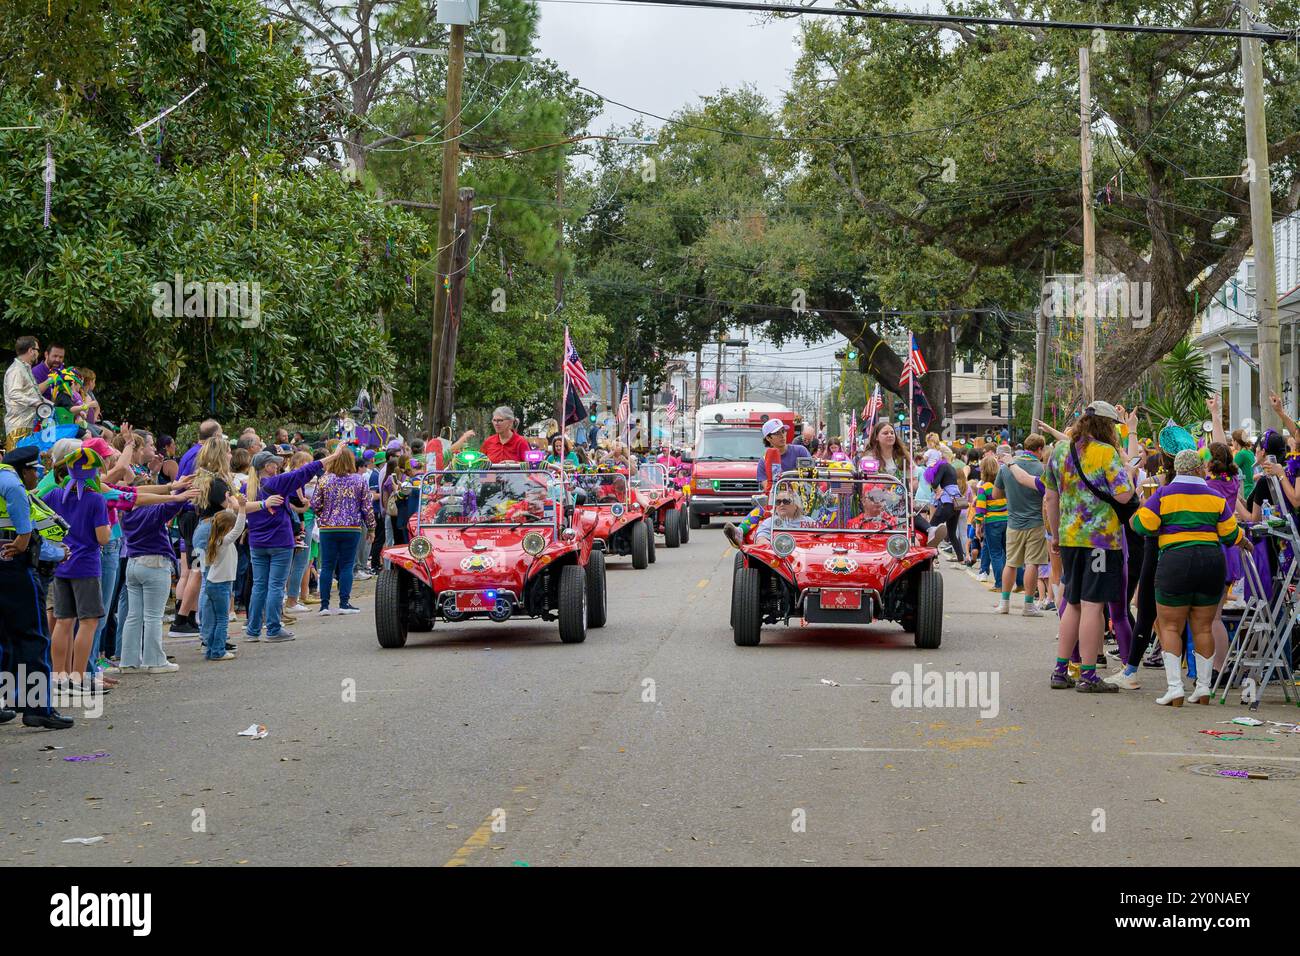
670	412
915	365
872	408
851	440
624	406
574	373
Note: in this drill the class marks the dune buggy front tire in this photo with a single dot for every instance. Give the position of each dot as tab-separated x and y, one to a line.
929	611
639	540
673	528
747	620
390	608
573	604
597	609
684	523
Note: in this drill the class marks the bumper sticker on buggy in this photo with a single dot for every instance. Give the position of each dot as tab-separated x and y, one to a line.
478	562
839	564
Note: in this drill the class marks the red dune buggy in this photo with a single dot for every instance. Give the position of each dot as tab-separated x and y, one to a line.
622	525
664	503
837	548
493	544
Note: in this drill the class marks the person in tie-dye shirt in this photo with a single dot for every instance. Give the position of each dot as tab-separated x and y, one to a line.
1087	534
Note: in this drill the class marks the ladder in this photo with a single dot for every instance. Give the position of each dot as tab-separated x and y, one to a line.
1261	646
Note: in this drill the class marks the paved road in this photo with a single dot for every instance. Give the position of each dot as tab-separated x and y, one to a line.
737	748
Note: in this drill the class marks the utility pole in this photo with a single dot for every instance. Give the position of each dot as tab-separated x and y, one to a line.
1089	233
717	381
698	367
559	285
464	225
446	212
1040	354
1261	219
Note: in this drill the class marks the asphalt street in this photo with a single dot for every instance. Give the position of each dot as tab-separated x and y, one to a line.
658	741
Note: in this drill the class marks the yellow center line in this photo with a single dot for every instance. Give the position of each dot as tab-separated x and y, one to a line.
477	840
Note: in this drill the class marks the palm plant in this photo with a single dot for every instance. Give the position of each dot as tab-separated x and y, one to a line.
1178	386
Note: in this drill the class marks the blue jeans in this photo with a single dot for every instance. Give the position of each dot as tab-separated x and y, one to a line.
213	620
270	569
301	558
338	551
148	581
995	546
109	560
202	535
242	571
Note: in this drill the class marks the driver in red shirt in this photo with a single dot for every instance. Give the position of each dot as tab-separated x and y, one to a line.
506	445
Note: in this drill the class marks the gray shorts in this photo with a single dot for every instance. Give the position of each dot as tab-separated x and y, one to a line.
80	598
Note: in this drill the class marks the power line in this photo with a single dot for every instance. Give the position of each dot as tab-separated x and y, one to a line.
967	20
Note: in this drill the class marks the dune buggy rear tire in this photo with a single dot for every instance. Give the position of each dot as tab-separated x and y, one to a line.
747	623
684	523
597	609
928	631
639	541
650	538
673	529
390	608
573	604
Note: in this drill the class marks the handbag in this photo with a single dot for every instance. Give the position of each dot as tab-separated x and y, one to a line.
1123	510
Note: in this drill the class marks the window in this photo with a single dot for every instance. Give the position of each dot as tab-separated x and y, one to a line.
967	366
1003	382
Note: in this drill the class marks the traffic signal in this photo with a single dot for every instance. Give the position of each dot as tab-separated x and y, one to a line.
997	406
592	416
853	355
898	404
902	417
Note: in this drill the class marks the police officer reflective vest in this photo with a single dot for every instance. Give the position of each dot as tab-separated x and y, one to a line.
44	519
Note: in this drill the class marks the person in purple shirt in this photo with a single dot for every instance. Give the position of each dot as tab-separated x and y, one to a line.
147	547
53	362
77	589
774	435
270	539
186	524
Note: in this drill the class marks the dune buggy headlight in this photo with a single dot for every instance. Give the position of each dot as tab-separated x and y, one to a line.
534	543
783	544
896	546
420	547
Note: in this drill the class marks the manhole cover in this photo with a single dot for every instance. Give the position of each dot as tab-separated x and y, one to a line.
1214	770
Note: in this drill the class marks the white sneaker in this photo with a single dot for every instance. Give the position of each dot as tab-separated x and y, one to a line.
298	609
233	616
983	576
1032	610
168	668
348	609
325	611
1002	607
1126	681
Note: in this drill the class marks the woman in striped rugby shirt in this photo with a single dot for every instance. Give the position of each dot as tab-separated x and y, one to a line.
1189	522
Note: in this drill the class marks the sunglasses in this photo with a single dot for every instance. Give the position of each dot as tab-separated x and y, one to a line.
785	501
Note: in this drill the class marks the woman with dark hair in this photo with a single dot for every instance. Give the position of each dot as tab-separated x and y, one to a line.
884	447
560	450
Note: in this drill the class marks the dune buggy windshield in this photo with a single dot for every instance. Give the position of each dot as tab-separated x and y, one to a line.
491	497
651	476
832	503
602	487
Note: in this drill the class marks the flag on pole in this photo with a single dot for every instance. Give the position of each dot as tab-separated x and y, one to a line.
851	439
670	413
574	373
872	408
624	406
915	366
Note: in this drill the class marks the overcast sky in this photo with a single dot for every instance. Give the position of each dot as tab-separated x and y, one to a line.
660	59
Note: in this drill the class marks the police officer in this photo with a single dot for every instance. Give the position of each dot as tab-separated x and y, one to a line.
24	642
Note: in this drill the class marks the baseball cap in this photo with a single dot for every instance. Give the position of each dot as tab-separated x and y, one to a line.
1101	409
772	426
262	457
